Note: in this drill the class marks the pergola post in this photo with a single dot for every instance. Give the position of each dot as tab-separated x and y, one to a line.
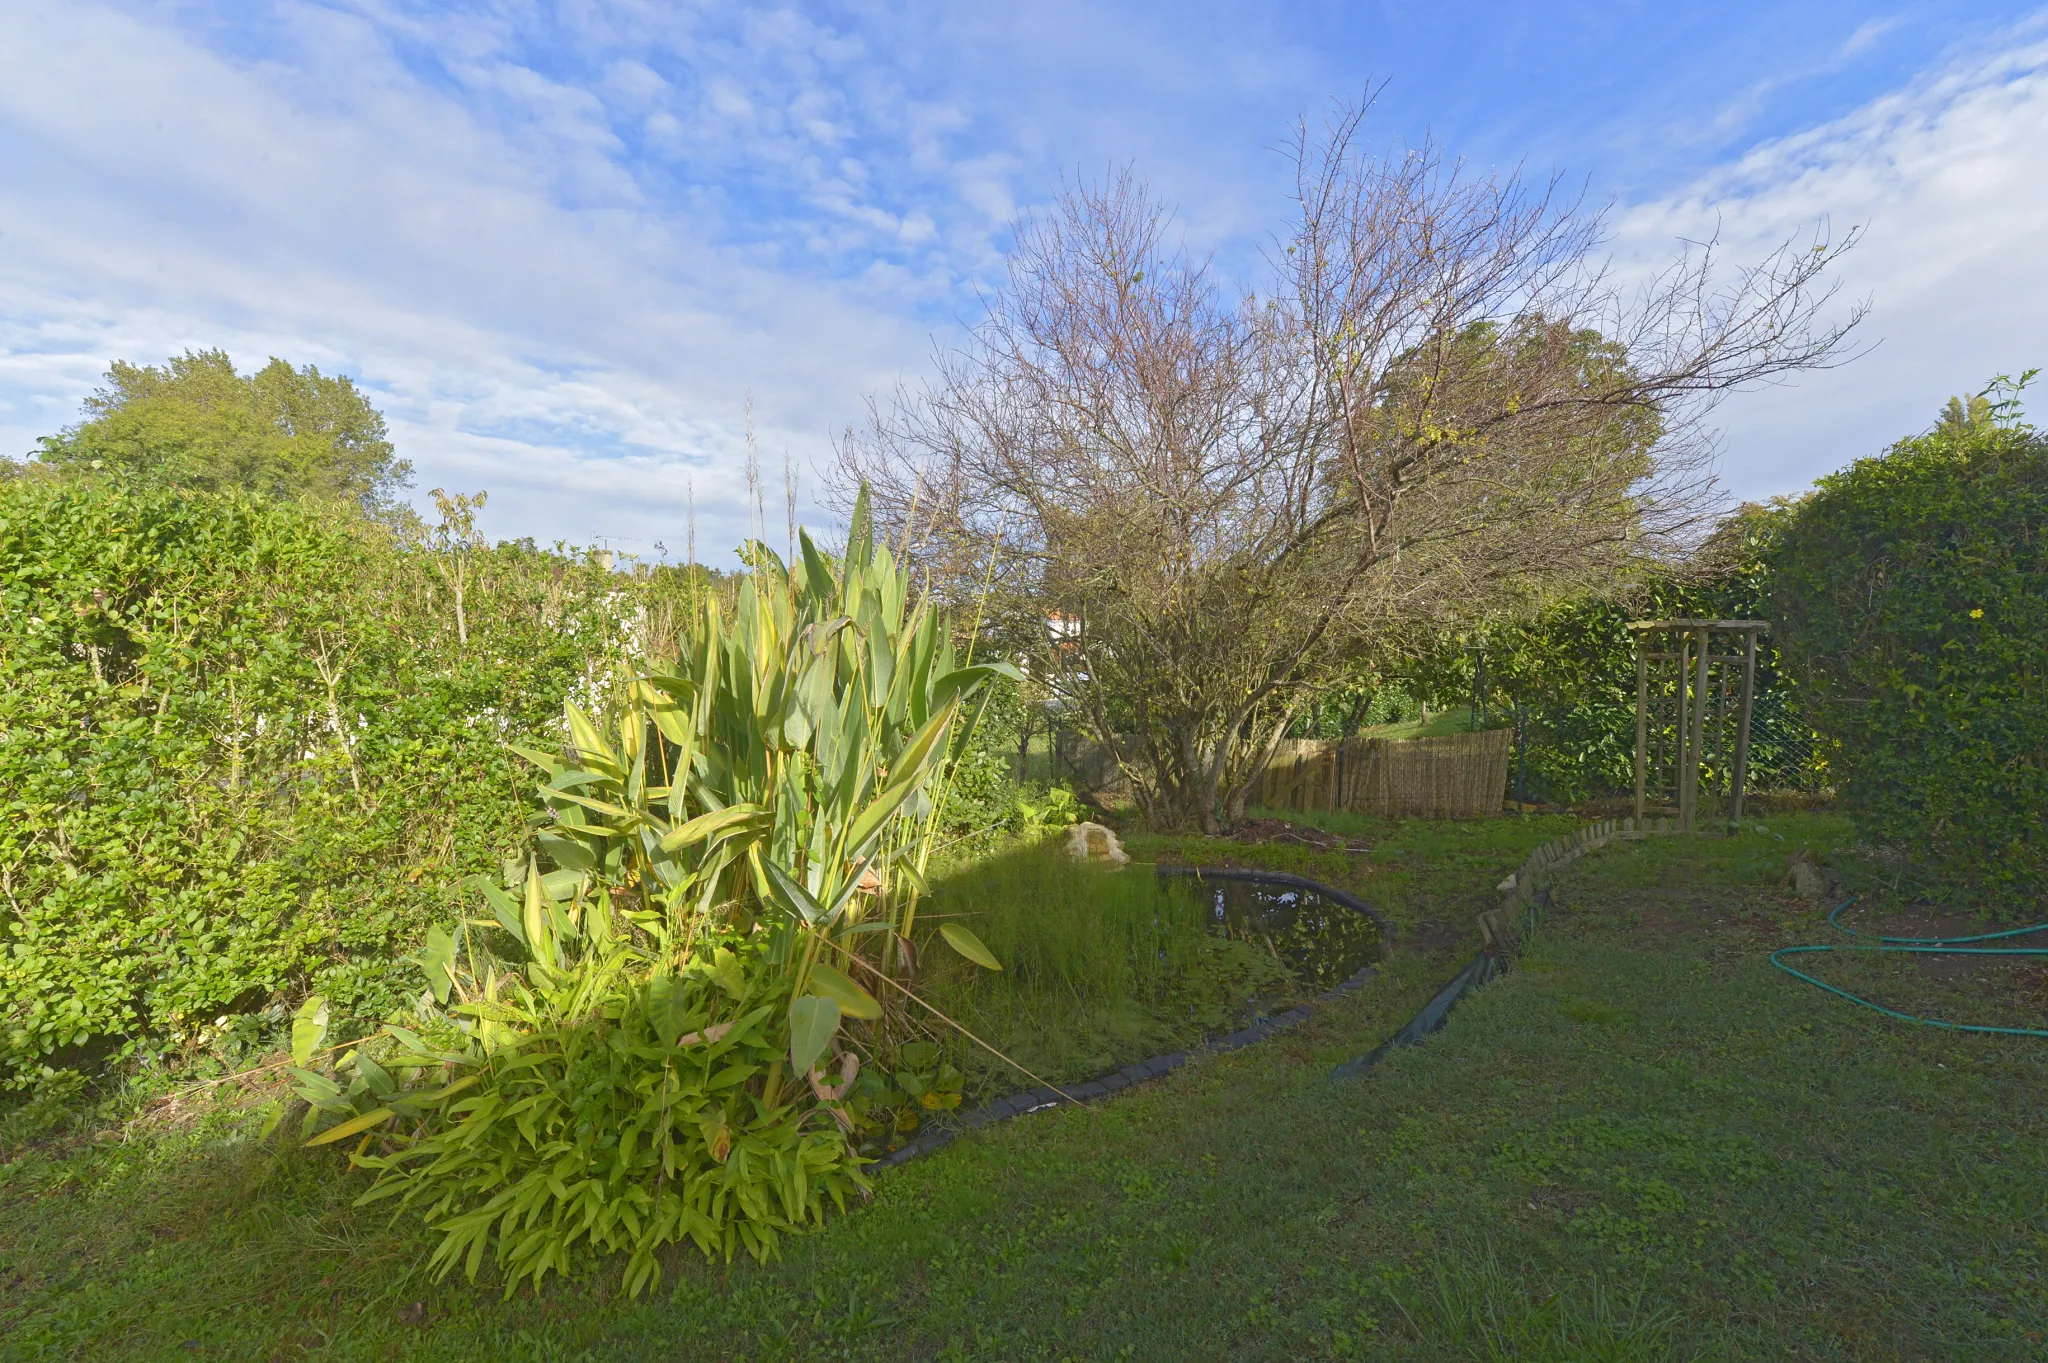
1740	778
1693	657
1689	803
1642	730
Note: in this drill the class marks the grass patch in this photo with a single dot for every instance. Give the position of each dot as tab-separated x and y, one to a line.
1643	1143
1100	967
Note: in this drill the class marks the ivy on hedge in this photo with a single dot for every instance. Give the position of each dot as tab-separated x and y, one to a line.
1912	595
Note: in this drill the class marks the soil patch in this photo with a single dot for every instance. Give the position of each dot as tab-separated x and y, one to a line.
1926	922
1301	835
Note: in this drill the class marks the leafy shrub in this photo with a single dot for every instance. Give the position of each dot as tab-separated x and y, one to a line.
1913	591
242	754
1571	667
735	847
982	792
599	1102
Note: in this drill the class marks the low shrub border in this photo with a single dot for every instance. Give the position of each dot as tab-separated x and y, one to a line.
1138	1072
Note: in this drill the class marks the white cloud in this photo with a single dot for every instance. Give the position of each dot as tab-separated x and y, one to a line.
528	322
561	244
1949	178
1866	36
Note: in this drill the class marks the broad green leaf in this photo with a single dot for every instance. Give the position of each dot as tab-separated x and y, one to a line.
672	720
560	885
540	935
565	851
962	680
547	762
614	812
904	779
437	958
374	1117
502	905
853	1001
812	1023
917	754
967	944
816	570
876	815
796	725
445	1094
790	893
860	539
726	972
317	1089
309	1029
589	743
667	1007
375	1075
705	825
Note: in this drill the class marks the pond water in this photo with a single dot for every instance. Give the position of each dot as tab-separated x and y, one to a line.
1325	943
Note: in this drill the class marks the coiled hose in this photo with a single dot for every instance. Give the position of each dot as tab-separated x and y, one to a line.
1920	946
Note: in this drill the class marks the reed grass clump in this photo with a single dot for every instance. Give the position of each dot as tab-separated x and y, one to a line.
1100	966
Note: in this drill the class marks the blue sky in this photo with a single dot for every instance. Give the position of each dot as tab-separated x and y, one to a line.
563	244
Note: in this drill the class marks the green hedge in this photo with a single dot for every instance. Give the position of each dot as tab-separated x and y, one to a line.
1912	591
198	830
1571	668
188	832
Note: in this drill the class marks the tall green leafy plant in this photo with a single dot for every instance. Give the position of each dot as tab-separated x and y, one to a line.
658	1040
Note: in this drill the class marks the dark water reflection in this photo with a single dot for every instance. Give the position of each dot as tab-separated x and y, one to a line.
1323	942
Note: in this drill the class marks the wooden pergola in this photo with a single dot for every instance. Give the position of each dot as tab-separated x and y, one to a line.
1687	671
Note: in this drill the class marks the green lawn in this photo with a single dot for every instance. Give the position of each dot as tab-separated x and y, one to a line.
1643	1143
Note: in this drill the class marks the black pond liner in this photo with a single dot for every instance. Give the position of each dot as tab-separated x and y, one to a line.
1039	1099
1434	1014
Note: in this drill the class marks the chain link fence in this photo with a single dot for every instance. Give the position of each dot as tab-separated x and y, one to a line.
1581	750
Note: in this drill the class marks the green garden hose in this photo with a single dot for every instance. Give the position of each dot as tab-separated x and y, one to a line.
1923	946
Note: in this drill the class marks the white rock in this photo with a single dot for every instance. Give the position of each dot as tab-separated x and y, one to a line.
1093	842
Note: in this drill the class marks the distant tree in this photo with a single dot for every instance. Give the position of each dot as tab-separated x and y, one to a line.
1192	504
456	545
1963	415
279	433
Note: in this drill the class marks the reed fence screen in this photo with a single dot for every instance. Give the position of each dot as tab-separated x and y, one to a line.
1453	776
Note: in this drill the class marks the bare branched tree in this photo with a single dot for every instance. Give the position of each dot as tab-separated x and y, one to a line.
1191	504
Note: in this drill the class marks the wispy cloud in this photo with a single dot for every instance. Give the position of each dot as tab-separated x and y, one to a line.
530	313
563	242
1949	179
